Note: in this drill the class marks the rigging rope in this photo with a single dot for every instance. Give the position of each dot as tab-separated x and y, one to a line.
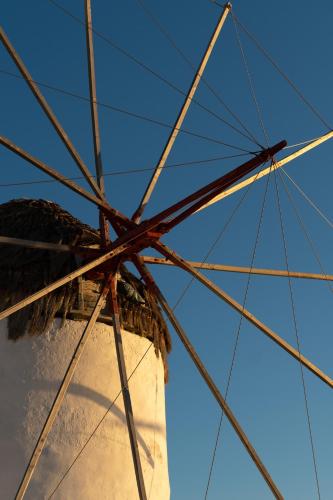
283	74
250	80
261	215
313	205
302	143
167	35
191	163
292	302
305	231
142	65
124	111
217	240
262	125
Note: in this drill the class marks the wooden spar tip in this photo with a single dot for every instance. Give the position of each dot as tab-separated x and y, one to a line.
227	5
270	152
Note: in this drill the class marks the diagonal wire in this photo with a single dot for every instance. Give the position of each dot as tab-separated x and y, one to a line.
313	205
292	302
217	240
126	112
252	260
232	364
282	73
289	146
305	231
142	64
250	80
192	163
167	35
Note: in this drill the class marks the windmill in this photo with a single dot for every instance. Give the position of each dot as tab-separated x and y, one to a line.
134	235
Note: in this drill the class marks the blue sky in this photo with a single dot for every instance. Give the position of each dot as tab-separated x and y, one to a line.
266	392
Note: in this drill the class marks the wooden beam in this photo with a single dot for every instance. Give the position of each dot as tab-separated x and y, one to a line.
103	223
62	391
55	247
238	269
63	180
266	171
62	281
93	98
125	391
181	116
164	250
49	113
50	171
206	376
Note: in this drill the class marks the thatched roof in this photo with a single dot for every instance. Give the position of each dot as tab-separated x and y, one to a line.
23	271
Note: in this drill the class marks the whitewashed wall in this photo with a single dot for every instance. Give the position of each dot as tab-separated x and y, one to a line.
30	372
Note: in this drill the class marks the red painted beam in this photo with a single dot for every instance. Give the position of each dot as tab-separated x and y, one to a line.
205	194
145	234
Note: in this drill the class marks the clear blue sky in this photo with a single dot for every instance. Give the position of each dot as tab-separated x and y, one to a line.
266	392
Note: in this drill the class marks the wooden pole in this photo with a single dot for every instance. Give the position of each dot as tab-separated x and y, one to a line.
126	392
50	171
104	228
93	98
61	394
55	247
63	180
164	250
49	113
207	378
238	269
181	116
62	281
219	398
266	171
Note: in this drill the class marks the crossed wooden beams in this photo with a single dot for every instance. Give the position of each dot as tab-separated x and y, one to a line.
132	236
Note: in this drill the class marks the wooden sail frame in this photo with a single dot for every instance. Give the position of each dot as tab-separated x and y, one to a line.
275	166
133	236
240	269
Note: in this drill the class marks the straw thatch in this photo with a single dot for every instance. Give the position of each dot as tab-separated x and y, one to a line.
23	271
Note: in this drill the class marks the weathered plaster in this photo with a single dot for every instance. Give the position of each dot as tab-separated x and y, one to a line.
30	372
